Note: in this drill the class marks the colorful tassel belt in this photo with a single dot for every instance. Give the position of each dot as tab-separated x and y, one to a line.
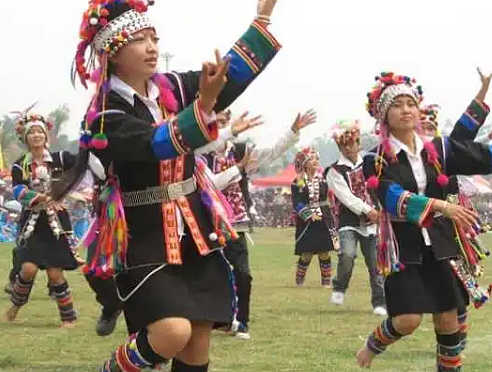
158	194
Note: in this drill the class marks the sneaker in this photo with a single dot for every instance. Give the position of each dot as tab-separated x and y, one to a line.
242	332
234	326
9	288
337	298
106	325
380	310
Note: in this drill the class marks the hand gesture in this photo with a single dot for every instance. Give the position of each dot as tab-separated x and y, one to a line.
212	81
303	121
485	79
460	215
243	123
373	216
265	7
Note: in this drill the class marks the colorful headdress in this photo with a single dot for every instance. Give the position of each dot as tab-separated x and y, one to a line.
388	87
429	114
302	157
107	26
345	131
26	120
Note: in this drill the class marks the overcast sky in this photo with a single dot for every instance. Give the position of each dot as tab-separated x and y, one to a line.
331	52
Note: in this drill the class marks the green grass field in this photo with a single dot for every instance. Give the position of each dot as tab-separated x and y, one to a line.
292	329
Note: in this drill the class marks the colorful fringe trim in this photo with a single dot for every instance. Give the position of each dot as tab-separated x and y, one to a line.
388	256
111	231
232	284
214	200
478	295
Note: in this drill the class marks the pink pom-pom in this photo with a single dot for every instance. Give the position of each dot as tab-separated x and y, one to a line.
99	144
99	141
372	183
442	180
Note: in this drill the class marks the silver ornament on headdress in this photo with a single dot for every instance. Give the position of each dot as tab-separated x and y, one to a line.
130	21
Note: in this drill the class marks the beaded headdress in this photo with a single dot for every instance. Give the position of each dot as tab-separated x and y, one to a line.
107	26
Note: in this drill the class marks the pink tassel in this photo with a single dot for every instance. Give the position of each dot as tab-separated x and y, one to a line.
166	96
91	115
388	150
442	180
96	75
432	156
372	183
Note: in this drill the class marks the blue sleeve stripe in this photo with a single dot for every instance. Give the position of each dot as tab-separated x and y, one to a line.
17	191
393	195
468	122
161	143
239	69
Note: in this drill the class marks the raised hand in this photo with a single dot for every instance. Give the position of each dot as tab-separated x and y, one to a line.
485	79
304	120
265	8
212	81
243	123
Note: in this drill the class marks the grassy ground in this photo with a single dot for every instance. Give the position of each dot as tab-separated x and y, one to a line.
293	329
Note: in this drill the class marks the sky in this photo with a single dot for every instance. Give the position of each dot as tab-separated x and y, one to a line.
331	53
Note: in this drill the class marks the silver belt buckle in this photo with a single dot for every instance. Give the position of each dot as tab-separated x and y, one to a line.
174	190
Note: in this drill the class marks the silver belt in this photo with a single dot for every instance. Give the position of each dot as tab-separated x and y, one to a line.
158	194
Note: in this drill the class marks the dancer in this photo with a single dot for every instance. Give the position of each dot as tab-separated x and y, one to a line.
315	229
104	288
171	273
237	195
466	128
416	240
356	215
45	238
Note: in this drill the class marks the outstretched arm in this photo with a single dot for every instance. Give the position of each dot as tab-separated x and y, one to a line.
470	122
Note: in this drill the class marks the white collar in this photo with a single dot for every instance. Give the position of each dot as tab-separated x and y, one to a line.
47	158
128	93
400	146
344	161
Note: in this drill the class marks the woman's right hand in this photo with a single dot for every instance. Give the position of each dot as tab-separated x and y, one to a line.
243	123
212	81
